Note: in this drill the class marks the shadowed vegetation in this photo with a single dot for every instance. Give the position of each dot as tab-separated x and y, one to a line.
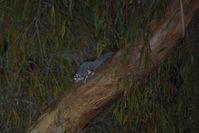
43	41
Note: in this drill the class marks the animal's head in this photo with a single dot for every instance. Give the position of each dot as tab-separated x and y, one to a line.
82	76
77	77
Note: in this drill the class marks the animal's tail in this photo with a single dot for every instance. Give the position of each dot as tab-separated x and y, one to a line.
102	58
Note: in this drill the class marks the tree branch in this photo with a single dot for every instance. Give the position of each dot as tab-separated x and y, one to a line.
82	102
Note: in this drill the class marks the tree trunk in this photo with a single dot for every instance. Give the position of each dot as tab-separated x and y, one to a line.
83	101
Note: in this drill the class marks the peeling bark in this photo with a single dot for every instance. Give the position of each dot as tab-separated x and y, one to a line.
82	102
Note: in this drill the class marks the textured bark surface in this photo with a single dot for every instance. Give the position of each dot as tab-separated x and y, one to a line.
82	102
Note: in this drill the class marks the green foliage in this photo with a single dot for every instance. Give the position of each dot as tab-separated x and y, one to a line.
167	100
37	59
43	41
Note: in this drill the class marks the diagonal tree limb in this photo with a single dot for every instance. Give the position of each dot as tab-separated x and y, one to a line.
82	102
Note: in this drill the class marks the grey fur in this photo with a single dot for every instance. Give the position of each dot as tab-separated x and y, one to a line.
88	68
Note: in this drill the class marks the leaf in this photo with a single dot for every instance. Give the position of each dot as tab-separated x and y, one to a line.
52	14
63	29
16	117
101	46
71	7
30	121
10	58
27	9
